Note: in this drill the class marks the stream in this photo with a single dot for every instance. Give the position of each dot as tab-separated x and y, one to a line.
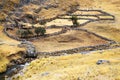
13	70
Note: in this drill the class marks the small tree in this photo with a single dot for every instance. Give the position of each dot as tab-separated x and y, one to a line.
19	32
29	32
42	23
74	21
23	33
43	31
40	31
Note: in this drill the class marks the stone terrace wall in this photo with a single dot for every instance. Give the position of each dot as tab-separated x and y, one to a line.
111	44
79	50
34	38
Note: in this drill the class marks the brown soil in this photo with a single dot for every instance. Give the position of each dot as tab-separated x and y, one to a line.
69	40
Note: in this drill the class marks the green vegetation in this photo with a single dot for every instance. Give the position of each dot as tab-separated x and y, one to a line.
74	21
42	22
40	31
24	33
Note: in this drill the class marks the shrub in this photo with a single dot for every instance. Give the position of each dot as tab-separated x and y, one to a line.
24	33
74	21
40	31
42	22
30	32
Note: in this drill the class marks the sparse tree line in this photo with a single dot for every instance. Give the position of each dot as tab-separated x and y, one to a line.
25	33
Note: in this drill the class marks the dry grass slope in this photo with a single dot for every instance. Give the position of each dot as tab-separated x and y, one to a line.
75	66
72	67
7	47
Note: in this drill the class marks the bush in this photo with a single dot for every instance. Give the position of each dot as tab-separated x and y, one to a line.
40	31
42	22
74	21
30	32
24	33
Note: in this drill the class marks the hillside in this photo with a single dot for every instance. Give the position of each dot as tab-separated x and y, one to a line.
75	67
61	50
7	48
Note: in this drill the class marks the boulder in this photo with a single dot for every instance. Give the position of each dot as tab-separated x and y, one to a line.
102	62
31	52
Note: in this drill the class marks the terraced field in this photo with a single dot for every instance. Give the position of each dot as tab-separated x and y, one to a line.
69	40
96	38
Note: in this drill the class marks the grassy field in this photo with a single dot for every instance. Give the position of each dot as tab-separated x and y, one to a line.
107	28
72	67
63	6
69	40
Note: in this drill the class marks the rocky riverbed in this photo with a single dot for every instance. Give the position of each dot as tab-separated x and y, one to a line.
14	67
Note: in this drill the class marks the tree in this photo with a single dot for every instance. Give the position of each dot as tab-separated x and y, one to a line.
29	32
74	21
43	31
40	31
23	33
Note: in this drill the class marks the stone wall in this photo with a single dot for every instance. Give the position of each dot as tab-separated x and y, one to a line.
80	50
109	45
34	38
104	38
13	37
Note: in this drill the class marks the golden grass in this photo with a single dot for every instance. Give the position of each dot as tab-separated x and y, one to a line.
60	22
107	29
104	17
90	17
2	16
64	22
50	13
53	30
4	37
87	13
72	67
5	51
3	62
63	6
8	46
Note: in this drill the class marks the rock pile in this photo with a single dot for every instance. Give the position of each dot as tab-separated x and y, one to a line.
30	49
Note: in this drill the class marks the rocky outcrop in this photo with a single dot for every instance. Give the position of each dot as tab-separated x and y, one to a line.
84	49
102	62
30	49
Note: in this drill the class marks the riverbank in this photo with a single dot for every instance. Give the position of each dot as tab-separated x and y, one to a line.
73	67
